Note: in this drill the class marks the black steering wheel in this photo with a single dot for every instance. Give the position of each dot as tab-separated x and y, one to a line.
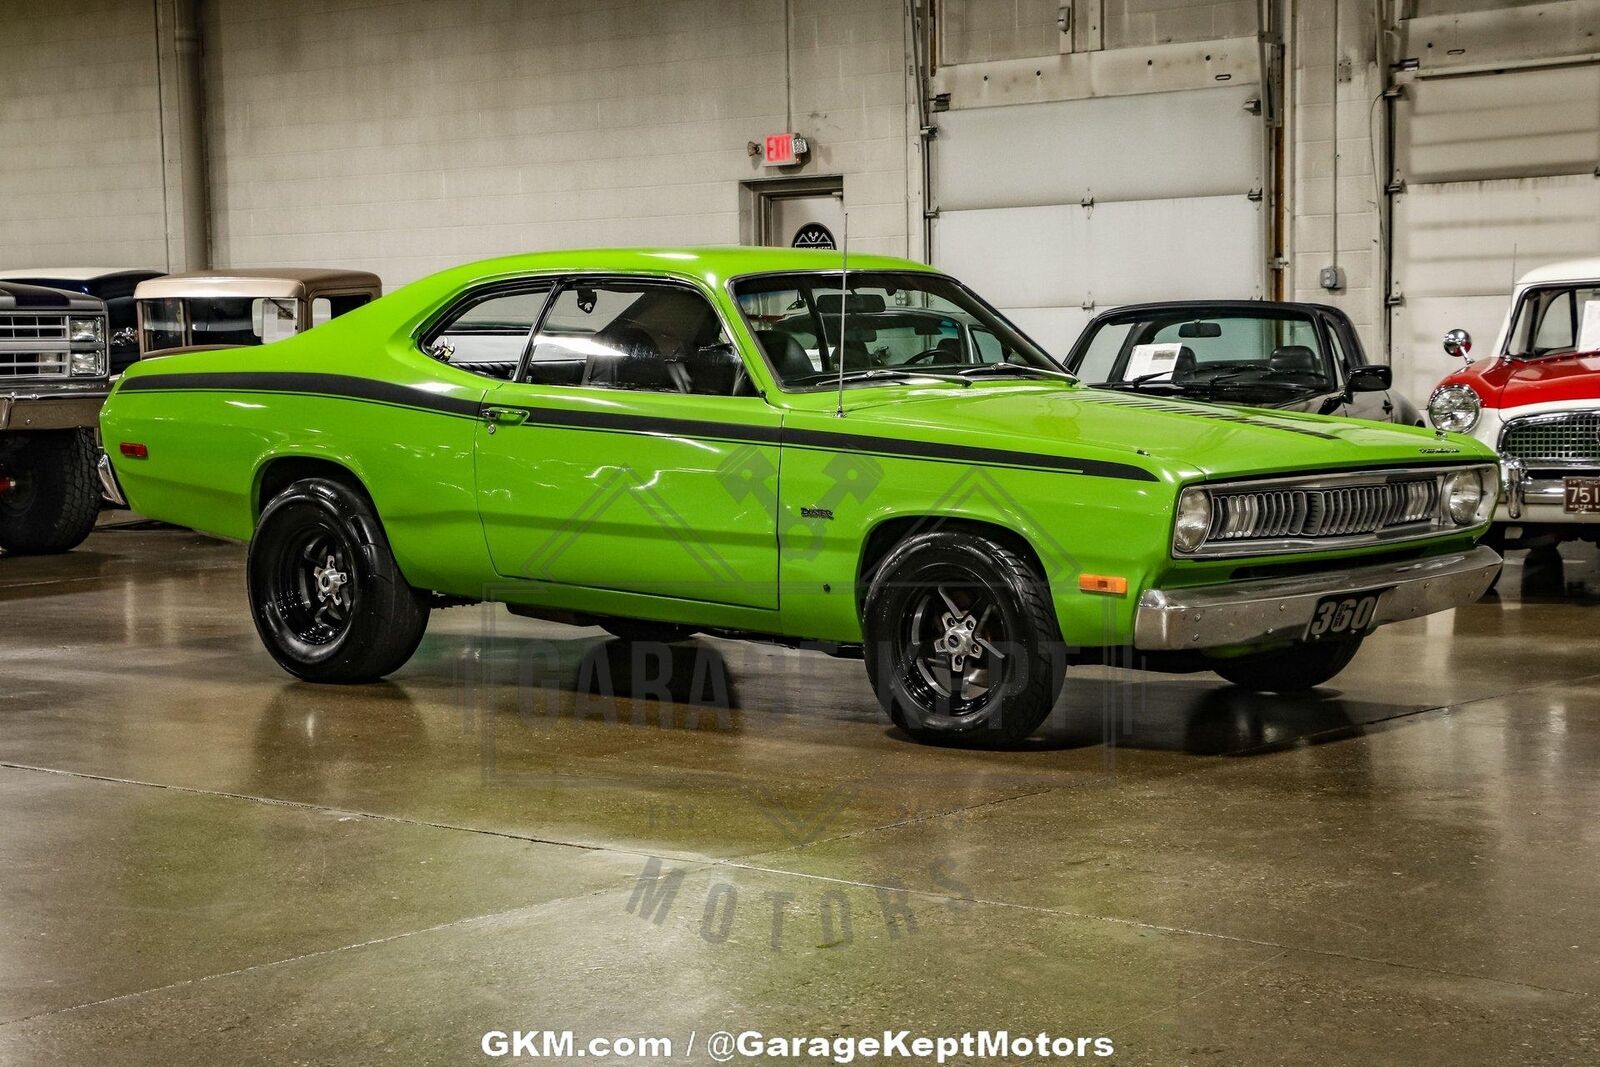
924	356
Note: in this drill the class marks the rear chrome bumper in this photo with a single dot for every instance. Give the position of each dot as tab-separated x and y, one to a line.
109	488
1280	609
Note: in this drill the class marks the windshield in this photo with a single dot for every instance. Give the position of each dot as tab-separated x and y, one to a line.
1183	350
894	326
241	320
1557	319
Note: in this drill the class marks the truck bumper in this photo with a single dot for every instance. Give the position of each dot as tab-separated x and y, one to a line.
64	409
1272	610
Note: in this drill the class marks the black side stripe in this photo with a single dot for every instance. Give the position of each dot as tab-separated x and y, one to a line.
366	389
333	385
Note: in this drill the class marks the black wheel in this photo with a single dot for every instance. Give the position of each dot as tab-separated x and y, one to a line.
54	491
962	642
326	594
644	630
1290	670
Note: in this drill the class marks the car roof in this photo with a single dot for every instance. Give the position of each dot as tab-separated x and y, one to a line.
21	296
714	265
74	274
1157	306
254	282
1565	271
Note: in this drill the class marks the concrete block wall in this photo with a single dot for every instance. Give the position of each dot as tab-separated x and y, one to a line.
409	136
1131	23
80	136
1337	132
979	31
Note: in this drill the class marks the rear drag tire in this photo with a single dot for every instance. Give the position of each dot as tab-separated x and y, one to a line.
323	525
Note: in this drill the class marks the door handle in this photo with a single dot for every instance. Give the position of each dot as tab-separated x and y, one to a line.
496	416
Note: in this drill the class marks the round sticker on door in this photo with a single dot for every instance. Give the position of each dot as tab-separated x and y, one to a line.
814	235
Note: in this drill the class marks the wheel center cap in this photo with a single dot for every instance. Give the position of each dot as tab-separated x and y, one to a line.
960	636
330	579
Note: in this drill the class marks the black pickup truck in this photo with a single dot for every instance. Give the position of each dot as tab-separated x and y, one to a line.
53	378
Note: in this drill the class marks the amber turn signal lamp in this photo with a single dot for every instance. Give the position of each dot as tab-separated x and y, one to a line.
133	450
1103	583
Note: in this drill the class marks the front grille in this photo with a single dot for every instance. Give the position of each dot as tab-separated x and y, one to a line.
21	326
26	346
1310	513
1558	440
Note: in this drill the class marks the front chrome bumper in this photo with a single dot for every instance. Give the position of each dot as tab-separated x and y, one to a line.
1527	499
1280	609
69	407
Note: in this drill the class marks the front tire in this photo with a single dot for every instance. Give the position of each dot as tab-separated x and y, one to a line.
57	496
326	595
1290	670
962	643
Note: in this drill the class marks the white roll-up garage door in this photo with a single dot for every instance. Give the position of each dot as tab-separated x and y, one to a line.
1055	211
1495	176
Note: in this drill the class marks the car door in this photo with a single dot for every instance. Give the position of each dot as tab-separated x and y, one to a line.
631	454
1378	406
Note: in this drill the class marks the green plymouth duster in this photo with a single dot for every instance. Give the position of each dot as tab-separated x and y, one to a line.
779	445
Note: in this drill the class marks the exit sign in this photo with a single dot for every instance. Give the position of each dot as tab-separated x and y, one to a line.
784	149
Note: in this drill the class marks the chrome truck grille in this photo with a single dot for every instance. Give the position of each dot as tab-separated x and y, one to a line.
34	346
1314	513
1562	440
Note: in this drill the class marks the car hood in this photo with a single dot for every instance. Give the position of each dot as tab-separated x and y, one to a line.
1183	438
1511	383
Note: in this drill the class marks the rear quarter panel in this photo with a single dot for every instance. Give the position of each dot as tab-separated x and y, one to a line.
213	421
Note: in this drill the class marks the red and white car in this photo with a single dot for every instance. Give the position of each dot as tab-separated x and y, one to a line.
1536	399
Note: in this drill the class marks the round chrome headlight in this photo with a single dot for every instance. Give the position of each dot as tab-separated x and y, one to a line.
1455	408
1463	497
1194	520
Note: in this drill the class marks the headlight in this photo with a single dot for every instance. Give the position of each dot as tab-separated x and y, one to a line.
1455	408
1194	520
88	364
87	329
1469	495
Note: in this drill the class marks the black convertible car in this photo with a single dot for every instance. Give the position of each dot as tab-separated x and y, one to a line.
1253	353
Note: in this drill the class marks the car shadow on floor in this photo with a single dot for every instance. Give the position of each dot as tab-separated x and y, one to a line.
1126	709
1203	718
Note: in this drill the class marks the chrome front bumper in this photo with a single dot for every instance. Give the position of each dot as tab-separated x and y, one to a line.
1280	609
68	407
1526	499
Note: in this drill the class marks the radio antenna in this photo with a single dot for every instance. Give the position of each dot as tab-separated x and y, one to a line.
844	304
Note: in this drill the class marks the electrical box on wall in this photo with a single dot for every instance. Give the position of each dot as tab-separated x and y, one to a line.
1332	279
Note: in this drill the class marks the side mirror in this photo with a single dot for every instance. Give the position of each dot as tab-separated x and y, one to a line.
1371	379
1457	343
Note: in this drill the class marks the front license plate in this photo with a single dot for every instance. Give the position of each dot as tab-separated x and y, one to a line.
1583	495
1344	615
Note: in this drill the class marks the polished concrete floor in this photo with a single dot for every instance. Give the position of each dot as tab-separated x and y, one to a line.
204	862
